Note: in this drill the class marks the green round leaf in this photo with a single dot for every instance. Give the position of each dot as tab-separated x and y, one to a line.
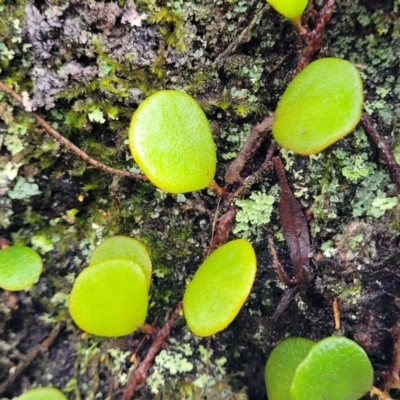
282	364
321	105
20	267
123	247
110	298
45	393
336	368
171	141
291	9
219	288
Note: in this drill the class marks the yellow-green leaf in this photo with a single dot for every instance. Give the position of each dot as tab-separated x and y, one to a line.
322	104
45	393
171	141
291	9
123	247
282	364
220	287
110	298
20	267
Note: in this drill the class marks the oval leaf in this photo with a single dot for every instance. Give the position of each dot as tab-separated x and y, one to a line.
45	393
20	267
171	141
282	364
321	105
110	298
123	247
291	9
219	288
336	368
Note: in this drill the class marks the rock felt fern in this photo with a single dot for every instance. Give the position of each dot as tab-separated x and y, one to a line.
281	367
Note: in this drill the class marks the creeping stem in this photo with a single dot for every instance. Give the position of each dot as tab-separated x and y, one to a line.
69	145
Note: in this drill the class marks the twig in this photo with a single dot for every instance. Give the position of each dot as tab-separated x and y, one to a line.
287	296
392	379
256	176
336	313
41	348
4	243
140	375
69	145
253	143
314	38
283	276
379	393
384	149
224	225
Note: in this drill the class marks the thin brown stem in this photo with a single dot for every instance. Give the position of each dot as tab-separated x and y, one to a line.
41	348
218	190
384	149
283	276
140	375
223	228
314	38
69	145
254	141
256	176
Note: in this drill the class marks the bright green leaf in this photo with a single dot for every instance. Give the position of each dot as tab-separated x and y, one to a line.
291	9
219	288
45	393
321	105
171	141
110	298
20	267
123	247
336	368
282	364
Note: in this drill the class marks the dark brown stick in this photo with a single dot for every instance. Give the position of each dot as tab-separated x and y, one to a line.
384	149
256	176
253	143
223	229
69	145
140	375
41	348
314	38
